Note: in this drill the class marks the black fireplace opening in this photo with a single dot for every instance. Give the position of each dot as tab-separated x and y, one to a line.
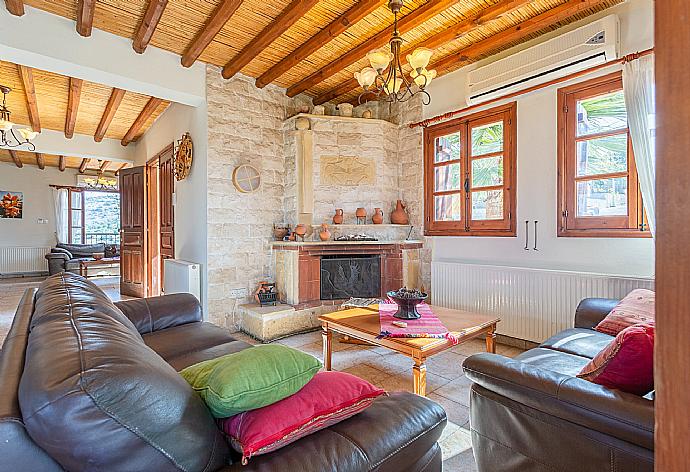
344	277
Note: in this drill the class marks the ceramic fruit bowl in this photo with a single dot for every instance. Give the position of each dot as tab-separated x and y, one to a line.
407	301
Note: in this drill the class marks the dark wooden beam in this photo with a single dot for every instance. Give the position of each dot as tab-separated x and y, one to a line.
672	350
15	158
16	7
148	25
85	13
61	163
110	109
220	16
27	76
475	51
147	111
293	12
380	39
84	164
40	161
75	86
122	166
103	165
319	40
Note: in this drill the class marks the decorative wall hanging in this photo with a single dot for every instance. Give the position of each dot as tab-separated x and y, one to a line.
349	171
11	204
184	157
246	178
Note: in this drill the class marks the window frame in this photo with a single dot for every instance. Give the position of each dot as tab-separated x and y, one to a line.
70	213
505	227
569	224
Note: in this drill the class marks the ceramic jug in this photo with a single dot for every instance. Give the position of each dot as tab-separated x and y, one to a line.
324	234
338	217
377	218
399	215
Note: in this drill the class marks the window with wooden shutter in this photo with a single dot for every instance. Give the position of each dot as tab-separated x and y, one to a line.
470	174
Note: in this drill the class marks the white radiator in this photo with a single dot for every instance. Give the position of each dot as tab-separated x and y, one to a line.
23	260
181	277
533	303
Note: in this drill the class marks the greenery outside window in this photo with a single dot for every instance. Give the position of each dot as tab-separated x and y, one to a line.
470	174
94	216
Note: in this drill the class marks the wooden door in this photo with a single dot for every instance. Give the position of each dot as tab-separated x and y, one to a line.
133	232
166	182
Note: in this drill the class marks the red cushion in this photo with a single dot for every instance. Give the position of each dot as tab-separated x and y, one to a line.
627	363
328	398
636	307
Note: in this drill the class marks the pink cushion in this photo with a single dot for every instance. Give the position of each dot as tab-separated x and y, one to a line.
627	363
636	307
328	398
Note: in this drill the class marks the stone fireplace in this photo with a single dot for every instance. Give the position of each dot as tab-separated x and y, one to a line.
344	277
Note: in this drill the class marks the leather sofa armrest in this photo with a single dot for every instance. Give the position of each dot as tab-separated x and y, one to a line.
591	311
156	313
58	256
612	412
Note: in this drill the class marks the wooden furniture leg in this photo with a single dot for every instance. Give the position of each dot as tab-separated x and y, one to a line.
327	345
419	377
491	340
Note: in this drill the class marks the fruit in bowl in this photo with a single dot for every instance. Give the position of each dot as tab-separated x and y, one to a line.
407	301
98	255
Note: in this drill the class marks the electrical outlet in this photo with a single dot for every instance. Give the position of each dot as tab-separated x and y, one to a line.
238	293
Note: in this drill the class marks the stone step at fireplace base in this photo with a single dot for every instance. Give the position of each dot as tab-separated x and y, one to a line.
268	323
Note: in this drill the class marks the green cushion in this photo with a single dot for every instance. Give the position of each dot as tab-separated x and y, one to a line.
250	379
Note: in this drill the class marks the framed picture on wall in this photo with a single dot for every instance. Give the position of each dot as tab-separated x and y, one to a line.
11	204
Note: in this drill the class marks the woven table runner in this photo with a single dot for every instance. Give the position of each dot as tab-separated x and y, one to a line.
428	326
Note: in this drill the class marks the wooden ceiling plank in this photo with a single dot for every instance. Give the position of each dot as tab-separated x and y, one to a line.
293	12
16	7
149	108
472	52
75	86
380	39
62	163
103	165
27	76
320	39
148	25
84	164
85	12
220	16
109	113
40	161
15	158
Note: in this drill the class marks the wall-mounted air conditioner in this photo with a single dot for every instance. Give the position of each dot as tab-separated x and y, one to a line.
593	44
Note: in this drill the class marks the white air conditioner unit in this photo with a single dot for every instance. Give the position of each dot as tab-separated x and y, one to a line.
593	44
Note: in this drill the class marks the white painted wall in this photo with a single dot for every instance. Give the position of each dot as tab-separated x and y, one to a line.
190	194
537	174
38	203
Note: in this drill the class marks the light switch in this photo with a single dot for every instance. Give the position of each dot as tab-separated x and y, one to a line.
42	221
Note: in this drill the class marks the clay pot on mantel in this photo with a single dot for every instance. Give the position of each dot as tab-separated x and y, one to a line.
361	215
324	234
300	231
338	217
377	219
399	215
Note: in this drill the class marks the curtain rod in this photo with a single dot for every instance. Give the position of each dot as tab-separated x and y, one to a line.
450	114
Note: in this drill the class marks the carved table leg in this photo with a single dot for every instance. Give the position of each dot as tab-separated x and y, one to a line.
327	345
419	377
491	340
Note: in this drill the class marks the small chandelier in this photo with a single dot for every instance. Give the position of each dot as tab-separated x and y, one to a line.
385	79
8	138
100	182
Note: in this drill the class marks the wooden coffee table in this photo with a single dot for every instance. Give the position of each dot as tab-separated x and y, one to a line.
363	324
102	262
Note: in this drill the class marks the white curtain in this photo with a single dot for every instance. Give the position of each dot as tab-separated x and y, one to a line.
60	196
638	88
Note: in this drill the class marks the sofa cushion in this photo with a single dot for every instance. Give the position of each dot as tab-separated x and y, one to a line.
627	363
578	341
636	307
252	378
194	357
82	250
392	435
95	397
180	340
557	361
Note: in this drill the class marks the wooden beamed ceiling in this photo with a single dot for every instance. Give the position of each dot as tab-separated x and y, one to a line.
45	100
314	47
40	160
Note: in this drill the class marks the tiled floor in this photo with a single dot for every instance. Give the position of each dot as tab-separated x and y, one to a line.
446	383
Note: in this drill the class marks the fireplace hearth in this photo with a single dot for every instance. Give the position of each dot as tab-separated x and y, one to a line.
344	277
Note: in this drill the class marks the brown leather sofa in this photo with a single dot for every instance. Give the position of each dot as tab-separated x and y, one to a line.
532	413
88	385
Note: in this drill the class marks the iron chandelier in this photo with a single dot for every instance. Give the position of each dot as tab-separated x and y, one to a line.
8	137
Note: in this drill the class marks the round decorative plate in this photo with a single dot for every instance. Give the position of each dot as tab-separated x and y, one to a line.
247	179
183	157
